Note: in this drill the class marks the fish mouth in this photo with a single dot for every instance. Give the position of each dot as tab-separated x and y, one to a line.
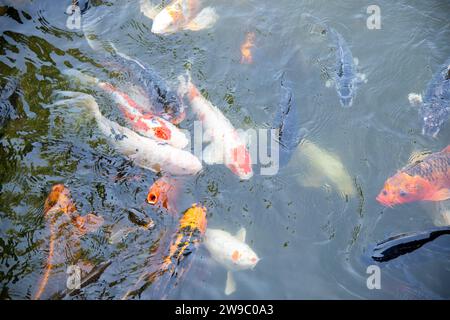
384	202
430	131
346	102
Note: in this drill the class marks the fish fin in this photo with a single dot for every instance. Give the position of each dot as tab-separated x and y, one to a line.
312	181
417	156
149	9
213	154
447	149
230	285
361	77
80	77
204	20
241	234
440	195
415	99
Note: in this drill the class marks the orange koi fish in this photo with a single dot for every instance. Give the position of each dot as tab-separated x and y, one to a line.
246	48
65	224
163	193
190	232
425	180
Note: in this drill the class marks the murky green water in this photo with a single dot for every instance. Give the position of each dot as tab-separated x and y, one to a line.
312	242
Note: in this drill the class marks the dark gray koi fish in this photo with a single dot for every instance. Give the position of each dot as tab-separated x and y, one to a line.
434	106
346	78
164	101
344	73
405	243
287	122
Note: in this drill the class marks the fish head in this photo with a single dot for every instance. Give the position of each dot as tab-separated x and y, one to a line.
160	192
195	218
403	188
433	116
168	20
240	162
244	257
59	200
346	94
174	109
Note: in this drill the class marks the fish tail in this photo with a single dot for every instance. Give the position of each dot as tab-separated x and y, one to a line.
80	77
49	265
204	20
186	87
79	99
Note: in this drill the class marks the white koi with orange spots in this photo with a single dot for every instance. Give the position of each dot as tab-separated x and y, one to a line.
144	123
179	15
226	145
144	152
231	252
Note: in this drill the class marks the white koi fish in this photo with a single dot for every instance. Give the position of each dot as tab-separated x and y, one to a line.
143	122
231	252
144	152
226	145
320	167
179	15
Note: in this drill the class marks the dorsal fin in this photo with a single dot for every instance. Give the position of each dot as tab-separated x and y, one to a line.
417	156
241	234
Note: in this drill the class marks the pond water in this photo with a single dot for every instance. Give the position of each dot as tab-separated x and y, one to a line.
313	242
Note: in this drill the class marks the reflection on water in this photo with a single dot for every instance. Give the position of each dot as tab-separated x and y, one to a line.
317	230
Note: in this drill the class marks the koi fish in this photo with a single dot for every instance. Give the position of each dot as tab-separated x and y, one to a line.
226	146
344	77
321	167
144	152
405	243
231	252
179	15
164	102
246	48
66	229
287	123
185	241
164	193
142	122
427	179
434	107
140	222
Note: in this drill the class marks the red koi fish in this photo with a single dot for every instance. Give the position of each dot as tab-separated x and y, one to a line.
246	48
425	180
163	193
66	229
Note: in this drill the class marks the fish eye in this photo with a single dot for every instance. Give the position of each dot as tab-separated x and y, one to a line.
384	193
403	193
